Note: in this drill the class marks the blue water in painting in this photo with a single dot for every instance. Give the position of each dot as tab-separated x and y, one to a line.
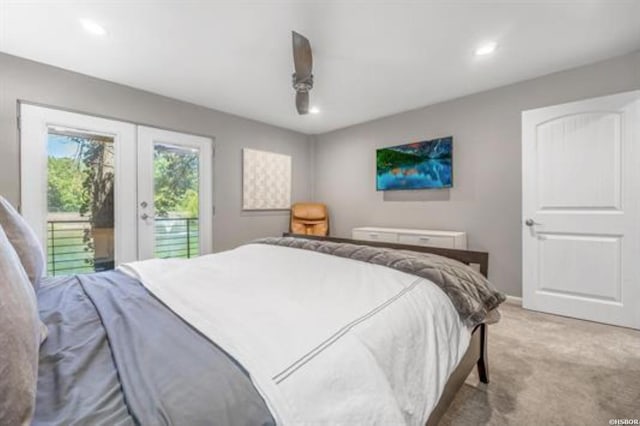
428	174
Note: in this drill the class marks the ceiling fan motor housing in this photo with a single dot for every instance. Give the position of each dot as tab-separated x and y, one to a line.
303	85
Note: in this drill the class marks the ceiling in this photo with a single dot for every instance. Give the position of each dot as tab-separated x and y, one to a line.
371	59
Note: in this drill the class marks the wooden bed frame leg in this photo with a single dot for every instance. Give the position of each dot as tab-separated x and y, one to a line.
483	362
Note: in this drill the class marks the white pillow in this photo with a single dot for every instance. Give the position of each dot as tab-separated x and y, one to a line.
20	337
24	242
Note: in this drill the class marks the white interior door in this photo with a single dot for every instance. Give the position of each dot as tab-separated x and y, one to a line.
581	207
75	175
175	206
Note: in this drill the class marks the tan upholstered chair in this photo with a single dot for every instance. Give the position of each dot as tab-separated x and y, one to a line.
309	219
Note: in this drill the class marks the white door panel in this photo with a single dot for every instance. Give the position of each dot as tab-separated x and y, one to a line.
581	224
583	265
578	159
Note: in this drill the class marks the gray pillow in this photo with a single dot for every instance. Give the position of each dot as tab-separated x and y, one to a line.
24	241
19	339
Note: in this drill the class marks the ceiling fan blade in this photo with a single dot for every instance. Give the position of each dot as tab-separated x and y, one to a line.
302	59
302	102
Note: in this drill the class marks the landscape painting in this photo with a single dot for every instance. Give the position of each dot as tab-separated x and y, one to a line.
419	165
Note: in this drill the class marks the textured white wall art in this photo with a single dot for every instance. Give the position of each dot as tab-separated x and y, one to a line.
266	180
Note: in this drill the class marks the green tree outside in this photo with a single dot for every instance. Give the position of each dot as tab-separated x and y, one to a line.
65	184
175	183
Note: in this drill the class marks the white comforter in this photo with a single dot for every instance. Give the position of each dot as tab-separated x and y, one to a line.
326	340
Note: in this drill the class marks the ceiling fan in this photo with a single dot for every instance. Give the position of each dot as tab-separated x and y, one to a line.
302	78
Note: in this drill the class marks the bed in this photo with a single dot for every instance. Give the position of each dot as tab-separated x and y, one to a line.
476	355
287	330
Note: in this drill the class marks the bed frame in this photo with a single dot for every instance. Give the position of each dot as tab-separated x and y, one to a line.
476	355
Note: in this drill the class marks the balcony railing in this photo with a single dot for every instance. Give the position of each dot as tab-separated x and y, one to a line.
71	246
177	237
67	251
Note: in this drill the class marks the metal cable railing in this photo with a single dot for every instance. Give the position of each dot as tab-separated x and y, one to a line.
177	237
67	250
71	245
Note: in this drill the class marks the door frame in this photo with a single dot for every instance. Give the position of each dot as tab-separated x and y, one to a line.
35	122
146	137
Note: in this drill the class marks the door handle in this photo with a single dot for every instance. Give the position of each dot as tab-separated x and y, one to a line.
144	216
530	222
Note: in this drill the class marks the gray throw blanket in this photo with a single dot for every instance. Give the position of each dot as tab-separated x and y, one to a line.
116	355
472	294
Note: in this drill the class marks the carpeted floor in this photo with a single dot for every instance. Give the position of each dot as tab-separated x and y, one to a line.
551	370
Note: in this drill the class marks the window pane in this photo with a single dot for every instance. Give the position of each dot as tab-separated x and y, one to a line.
80	199
176	201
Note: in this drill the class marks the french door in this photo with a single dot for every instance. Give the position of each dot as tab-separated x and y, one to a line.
174	194
581	205
101	192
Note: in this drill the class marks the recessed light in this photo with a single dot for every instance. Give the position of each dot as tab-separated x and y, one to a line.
93	27
314	110
486	49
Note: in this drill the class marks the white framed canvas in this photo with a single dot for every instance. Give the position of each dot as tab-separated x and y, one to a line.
266	180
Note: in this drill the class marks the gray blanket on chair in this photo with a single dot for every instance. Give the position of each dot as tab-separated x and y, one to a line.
472	294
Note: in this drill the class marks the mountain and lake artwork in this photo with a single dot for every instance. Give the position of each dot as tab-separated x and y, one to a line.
419	165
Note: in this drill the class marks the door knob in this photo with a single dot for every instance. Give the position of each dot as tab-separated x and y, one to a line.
144	216
531	222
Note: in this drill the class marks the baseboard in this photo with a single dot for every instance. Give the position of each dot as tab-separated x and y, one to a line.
514	300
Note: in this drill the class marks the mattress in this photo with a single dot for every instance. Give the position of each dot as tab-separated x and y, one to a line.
324	339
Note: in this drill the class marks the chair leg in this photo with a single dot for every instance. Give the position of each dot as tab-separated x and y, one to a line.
483	362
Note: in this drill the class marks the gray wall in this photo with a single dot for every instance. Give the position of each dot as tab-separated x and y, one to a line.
486	198
339	167
30	81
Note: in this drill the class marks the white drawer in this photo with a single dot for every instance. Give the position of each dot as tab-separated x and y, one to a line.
388	237
427	240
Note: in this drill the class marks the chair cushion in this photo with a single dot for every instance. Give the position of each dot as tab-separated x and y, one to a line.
309	211
20	334
24	241
309	219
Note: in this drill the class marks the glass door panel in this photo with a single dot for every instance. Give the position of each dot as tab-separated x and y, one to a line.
176	200
80	202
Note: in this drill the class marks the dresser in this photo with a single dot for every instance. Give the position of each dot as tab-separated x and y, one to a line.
416	237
